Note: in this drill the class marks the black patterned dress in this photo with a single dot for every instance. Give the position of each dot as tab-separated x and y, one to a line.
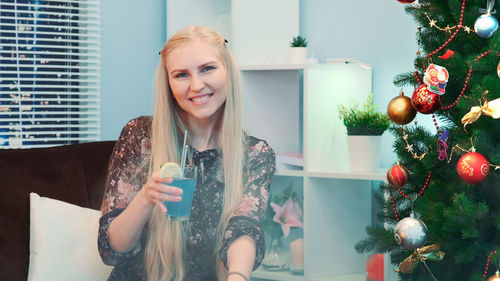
128	173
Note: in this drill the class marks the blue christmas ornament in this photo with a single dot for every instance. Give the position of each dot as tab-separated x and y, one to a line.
486	24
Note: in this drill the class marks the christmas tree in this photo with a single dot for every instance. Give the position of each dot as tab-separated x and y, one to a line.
441	205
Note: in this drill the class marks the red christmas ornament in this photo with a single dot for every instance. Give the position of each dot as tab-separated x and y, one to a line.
397	175
473	168
449	53
425	101
406	1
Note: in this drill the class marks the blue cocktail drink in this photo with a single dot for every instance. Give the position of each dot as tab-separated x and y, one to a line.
181	210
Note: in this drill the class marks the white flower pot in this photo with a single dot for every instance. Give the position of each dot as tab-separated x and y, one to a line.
364	153
299	55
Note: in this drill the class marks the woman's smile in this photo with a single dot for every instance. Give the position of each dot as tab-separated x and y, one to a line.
201	99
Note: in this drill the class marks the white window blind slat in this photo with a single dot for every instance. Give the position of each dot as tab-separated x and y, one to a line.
40	127
31	34
54	7
33	120
94	22
53	93
49	72
43	26
53	80
22	10
38	61
42	40
47	53
22	100
48	66
51	133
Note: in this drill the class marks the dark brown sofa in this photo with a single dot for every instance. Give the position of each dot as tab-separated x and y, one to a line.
71	173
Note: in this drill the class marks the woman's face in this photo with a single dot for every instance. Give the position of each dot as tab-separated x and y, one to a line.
198	79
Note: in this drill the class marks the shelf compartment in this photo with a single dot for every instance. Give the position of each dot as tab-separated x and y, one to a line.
261	274
329	85
276	275
289	173
273	108
335	217
377	176
270	67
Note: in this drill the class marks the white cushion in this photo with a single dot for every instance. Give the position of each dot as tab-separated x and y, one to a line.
63	242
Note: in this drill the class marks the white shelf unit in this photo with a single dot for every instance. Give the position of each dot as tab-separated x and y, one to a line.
294	108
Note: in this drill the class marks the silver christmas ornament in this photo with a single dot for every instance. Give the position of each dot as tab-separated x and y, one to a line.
486	24
410	233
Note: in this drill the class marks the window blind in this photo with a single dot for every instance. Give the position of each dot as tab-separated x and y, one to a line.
49	72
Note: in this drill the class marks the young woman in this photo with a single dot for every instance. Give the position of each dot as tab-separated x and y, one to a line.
198	90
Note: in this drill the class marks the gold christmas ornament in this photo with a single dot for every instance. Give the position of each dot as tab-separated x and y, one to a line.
430	252
495	277
400	110
490	108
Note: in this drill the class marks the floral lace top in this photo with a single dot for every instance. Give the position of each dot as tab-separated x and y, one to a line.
127	175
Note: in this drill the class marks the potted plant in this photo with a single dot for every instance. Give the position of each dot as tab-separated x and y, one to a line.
364	129
298	47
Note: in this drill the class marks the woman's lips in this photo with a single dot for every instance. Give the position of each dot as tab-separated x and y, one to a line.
201	99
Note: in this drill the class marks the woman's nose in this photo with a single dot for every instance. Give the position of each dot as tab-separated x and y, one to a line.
197	84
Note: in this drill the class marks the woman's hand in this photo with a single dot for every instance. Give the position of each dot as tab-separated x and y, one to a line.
156	191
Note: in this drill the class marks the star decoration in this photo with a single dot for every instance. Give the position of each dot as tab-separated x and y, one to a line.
448	29
467	29
432	23
409	147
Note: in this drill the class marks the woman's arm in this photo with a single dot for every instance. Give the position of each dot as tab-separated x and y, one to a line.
243	245
129	195
125	230
241	257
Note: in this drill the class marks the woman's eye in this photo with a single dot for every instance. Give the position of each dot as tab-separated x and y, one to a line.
180	75
207	68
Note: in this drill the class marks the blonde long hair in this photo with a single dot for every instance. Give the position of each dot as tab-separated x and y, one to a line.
165	248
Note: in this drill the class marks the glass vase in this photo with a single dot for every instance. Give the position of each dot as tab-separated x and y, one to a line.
277	255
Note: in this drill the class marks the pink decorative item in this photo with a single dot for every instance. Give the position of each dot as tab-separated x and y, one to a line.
297	256
285	216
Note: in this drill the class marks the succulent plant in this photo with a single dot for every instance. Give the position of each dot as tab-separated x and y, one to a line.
298	41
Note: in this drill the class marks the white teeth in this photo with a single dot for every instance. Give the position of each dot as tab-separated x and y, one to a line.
200	99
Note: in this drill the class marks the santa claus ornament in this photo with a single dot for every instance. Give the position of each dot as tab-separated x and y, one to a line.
436	78
473	168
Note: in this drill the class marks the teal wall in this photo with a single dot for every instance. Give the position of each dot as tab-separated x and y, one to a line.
133	33
376	32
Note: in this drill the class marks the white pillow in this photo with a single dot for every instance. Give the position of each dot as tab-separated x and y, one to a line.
63	242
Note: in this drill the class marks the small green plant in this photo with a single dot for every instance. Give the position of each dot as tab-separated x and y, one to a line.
298	41
364	121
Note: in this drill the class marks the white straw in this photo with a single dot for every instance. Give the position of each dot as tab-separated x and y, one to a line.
184	152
